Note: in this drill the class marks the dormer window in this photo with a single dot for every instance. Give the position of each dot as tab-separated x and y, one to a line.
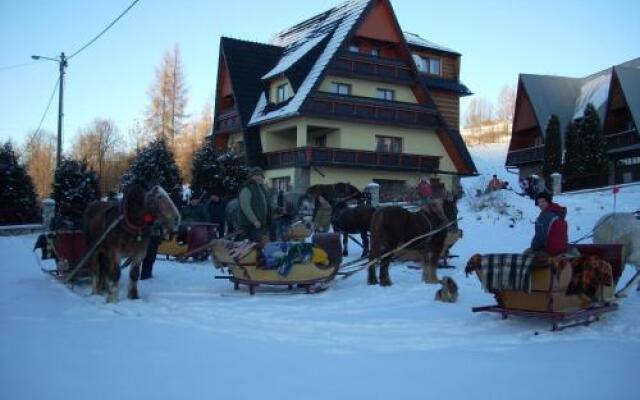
282	93
427	65
354	48
342	89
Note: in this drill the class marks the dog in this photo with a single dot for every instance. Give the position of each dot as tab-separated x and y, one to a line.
449	291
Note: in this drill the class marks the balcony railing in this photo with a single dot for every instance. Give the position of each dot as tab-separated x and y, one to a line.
357	65
525	156
326	156
371	110
622	139
227	121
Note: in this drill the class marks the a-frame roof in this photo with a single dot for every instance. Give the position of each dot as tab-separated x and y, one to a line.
247	62
629	79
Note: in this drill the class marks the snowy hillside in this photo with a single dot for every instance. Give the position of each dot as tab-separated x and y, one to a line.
194	337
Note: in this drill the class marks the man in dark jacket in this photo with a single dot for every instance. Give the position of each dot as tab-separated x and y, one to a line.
216	207
551	227
255	210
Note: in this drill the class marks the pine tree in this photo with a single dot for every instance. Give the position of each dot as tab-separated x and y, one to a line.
18	203
552	149
574	152
75	185
155	165
595	156
218	173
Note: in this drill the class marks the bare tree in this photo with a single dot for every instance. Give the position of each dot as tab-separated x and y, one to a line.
98	144
39	156
191	140
506	103
167	111
479	112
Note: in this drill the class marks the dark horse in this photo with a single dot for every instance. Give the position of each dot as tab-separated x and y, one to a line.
129	238
392	226
336	192
348	220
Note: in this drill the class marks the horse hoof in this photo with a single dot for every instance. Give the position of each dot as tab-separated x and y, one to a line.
133	295
345	253
372	281
385	283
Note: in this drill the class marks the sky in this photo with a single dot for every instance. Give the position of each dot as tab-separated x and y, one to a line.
111	78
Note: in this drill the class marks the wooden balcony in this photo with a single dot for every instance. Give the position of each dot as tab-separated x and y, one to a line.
326	156
370	110
227	121
622	139
525	156
358	65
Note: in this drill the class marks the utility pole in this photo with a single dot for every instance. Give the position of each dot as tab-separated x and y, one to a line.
62	65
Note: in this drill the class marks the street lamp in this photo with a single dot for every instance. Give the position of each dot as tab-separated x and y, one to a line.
62	60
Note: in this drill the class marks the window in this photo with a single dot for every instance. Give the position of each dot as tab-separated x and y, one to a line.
354	48
281	183
385	94
375	51
341	88
321	141
281	93
388	144
427	65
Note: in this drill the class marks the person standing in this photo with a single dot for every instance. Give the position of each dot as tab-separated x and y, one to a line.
152	251
216	208
255	210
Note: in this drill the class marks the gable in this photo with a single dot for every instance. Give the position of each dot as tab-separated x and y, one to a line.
379	24
224	79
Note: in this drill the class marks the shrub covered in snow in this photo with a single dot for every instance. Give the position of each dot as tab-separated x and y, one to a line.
219	173
18	202
75	185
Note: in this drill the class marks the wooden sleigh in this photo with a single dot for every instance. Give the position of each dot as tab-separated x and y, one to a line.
549	300
195	244
243	261
67	248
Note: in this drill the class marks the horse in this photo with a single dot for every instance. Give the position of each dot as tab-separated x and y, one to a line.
139	209
346	220
621	228
335	192
392	226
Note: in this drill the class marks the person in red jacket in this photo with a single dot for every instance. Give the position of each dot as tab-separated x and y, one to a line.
551	227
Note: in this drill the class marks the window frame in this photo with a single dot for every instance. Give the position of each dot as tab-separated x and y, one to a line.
381	94
282	89
335	88
388	147
277	182
424	63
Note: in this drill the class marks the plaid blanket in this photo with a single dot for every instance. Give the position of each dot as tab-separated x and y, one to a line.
505	272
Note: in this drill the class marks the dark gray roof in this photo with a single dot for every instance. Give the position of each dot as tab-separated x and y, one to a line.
552	95
433	82
629	79
416	41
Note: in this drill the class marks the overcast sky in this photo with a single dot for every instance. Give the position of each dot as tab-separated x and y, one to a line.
110	79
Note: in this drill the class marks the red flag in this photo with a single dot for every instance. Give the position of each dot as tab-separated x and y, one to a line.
616	190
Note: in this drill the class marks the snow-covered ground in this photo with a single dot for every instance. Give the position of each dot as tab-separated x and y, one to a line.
193	337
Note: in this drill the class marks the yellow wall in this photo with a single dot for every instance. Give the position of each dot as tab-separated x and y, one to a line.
364	88
276	141
273	89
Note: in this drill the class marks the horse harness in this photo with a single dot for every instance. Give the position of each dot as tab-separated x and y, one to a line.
133	228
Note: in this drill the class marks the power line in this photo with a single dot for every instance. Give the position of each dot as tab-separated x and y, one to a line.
104	30
16	66
55	89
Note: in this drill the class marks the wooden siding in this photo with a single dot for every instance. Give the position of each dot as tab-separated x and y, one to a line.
449	106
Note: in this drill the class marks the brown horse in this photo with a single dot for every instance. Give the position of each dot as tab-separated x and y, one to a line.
139	209
392	226
348	220
336	192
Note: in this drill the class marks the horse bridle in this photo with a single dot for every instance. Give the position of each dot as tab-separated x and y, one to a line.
136	229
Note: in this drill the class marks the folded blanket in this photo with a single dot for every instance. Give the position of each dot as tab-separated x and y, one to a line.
499	272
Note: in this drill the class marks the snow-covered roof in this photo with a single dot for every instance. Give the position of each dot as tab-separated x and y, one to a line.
416	40
594	91
293	54
630	82
335	23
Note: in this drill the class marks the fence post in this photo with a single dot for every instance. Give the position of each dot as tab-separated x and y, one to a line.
373	191
48	211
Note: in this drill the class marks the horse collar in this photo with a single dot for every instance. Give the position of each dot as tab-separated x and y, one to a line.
147	219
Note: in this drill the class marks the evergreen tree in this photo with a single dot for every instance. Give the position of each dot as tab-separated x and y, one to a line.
18	203
75	185
595	144
155	165
218	173
574	152
552	149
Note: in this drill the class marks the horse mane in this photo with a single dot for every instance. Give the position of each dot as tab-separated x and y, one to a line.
133	203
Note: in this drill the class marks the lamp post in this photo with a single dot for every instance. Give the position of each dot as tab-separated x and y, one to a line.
62	61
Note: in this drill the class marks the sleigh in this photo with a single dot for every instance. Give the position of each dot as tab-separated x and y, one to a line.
247	266
551	297
67	248
195	242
